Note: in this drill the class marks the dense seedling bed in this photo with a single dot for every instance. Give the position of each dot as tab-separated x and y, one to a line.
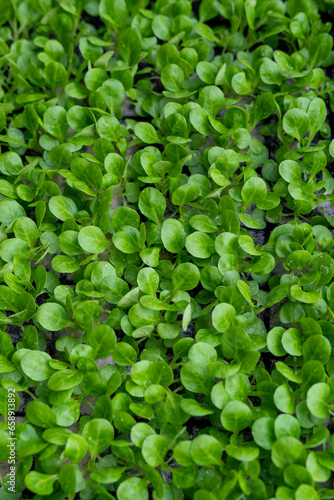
166	250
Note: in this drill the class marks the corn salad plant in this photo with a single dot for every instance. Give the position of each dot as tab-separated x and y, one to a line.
166	249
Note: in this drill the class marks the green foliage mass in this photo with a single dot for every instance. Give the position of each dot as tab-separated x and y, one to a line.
143	148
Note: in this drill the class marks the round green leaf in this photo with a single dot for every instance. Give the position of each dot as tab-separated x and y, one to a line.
263	432
316	399
222	316
92	239
236	416
200	245
133	487
41	484
254	190
64	380
172	77
99	434
286	451
287	425
147	133
124	354
242	453
185	276
173	235
154	449
317	347
206	450
152	204
55	75
35	364
290	171
53	317
283	398
235	343
291	341
295	123
10	210
40	414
